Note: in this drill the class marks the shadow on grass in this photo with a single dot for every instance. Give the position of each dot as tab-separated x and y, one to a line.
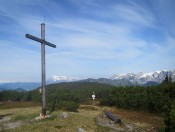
58	127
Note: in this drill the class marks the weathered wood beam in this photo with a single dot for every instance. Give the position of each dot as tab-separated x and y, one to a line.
40	40
113	117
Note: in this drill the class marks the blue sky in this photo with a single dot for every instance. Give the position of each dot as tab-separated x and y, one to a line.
94	38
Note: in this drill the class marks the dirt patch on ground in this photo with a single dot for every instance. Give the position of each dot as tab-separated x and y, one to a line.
11	125
5	123
5	118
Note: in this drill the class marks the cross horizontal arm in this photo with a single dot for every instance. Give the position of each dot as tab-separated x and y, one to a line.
40	40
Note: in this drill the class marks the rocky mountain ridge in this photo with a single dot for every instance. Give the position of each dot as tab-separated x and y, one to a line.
128	79
142	78
121	79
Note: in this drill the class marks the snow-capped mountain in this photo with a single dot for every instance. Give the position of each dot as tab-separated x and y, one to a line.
57	79
143	78
121	79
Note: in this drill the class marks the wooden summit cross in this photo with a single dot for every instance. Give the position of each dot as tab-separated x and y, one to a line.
43	78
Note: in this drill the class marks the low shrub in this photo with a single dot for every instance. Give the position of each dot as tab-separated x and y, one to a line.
64	105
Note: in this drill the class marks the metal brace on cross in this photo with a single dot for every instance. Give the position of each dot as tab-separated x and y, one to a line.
43	78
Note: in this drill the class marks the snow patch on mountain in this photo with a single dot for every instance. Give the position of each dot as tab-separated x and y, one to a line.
60	78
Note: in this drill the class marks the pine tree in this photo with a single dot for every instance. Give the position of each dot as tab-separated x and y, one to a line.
170	79
167	79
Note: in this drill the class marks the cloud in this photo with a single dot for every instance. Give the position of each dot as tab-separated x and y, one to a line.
92	37
18	61
165	14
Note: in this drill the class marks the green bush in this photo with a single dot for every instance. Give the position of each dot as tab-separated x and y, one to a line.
69	106
64	105
170	118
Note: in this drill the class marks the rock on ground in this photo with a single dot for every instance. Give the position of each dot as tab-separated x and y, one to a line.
106	123
81	130
64	115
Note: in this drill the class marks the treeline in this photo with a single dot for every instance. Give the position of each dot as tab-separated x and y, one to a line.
77	91
66	96
11	95
152	99
69	95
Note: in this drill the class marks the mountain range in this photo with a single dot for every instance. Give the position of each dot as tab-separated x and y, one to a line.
146	79
143	78
128	79
19	86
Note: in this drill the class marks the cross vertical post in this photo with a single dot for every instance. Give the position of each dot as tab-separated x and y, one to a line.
43	70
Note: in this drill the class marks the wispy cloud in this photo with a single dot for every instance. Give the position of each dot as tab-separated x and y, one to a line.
93	38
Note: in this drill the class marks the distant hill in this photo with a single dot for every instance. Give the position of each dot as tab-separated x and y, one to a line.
1	88
20	90
78	86
150	83
23	85
17	89
119	82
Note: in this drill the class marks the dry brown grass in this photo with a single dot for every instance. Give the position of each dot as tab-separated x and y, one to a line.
21	104
140	118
